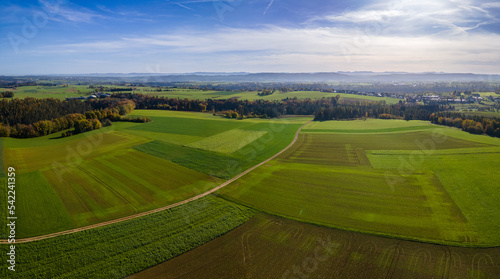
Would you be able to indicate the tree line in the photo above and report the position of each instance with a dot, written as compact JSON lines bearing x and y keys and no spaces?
{"x":79,"y":122}
{"x":473,"y":124}
{"x":6,"y":94}
{"x":242,"y":107}
{"x":38,"y":117}
{"x":376,"y":110}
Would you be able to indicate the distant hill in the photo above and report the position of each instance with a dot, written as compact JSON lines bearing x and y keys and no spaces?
{"x":323,"y":77}
{"x":362,"y":76}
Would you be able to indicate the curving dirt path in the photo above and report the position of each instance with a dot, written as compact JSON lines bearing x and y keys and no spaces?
{"x":35,"y":238}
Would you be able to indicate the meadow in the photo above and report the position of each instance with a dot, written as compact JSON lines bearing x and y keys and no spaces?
{"x":277,"y":96}
{"x":273,"y":247}
{"x":129,"y":168}
{"x":61,"y":92}
{"x":384,"y":177}
{"x":122,"y":249}
{"x":56,"y":92}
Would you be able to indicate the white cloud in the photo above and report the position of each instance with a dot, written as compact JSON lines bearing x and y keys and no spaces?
{"x":304,"y":49}
{"x":423,"y":17}
{"x":490,"y":5}
{"x":78,"y":14}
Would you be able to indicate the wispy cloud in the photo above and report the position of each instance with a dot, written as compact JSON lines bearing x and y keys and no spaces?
{"x":185,"y":7}
{"x":306,"y":48}
{"x":491,"y":5}
{"x":423,"y":17}
{"x":268,"y":6}
{"x":78,"y":14}
{"x":424,"y":35}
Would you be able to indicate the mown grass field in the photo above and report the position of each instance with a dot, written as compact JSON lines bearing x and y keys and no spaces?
{"x":228,"y":142}
{"x":130,"y":168}
{"x":394,"y":183}
{"x":272,"y":247}
{"x":125,"y":248}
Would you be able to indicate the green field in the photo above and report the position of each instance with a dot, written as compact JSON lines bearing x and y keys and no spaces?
{"x":128,"y":247}
{"x":367,"y":126}
{"x":391,"y":183}
{"x":129,"y":168}
{"x":66,"y":151}
{"x":61,"y":92}
{"x":403,"y":180}
{"x":277,"y":96}
{"x":228,"y":142}
{"x":56,"y":92}
{"x":272,"y":247}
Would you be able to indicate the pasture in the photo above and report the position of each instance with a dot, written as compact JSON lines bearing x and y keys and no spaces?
{"x":360,"y":181}
{"x":272,"y":247}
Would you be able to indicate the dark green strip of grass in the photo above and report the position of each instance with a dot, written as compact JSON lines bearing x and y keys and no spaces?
{"x":125,"y":248}
{"x":203,"y":161}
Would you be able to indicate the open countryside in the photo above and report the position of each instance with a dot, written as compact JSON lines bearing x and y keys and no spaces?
{"x":95,"y":178}
{"x":263,"y":139}
{"x":336,"y":175}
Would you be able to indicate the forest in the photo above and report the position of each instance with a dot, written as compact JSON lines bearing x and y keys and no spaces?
{"x":28,"y":118}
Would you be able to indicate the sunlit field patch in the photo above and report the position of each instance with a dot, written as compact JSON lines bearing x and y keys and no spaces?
{"x":228,"y":142}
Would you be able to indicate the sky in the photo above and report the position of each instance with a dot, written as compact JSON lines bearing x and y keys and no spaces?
{"x":184,"y":36}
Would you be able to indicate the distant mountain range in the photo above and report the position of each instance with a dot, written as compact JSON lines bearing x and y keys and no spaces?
{"x":362,"y":76}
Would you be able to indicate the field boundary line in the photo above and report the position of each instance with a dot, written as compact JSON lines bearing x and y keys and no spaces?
{"x":130,"y":217}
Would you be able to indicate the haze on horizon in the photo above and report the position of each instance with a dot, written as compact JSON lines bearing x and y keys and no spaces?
{"x":76,"y":37}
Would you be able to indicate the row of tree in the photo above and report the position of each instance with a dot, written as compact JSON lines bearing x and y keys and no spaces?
{"x":242,"y":107}
{"x":80,"y":122}
{"x":266,"y":92}
{"x":30,"y":110}
{"x":6,"y":94}
{"x":376,"y":110}
{"x":472,"y":124}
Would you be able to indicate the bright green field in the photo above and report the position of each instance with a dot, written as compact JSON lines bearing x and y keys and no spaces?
{"x":391,"y":184}
{"x":129,"y":168}
{"x":227,"y":142}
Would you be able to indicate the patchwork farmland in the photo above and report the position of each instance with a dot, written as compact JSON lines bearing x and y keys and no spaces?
{"x":378,"y":194}
{"x":95,"y":177}
{"x":388,"y":178}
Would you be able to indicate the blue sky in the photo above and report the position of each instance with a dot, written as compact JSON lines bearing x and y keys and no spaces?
{"x":71,"y":37}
